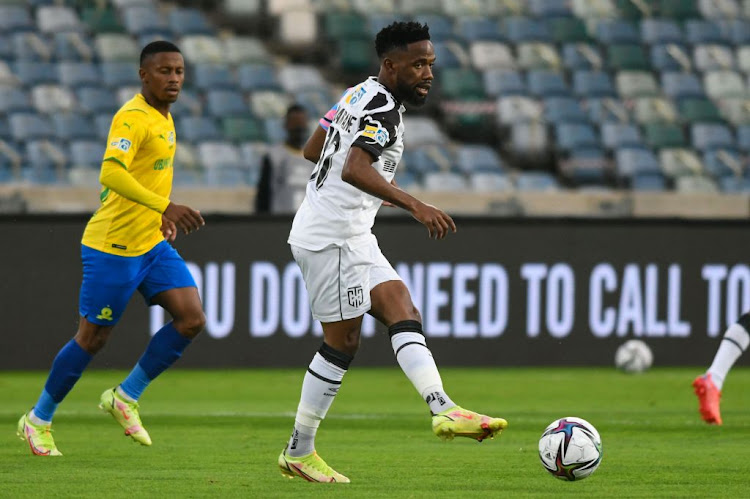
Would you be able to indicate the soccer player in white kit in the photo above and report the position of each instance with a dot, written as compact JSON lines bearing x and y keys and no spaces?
{"x":344,"y":270}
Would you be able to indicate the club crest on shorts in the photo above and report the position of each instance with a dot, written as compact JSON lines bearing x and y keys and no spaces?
{"x":356,"y":296}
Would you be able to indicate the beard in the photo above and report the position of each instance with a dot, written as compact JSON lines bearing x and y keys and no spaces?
{"x":409,"y":94}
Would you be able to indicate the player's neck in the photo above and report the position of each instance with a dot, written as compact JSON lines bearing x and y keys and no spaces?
{"x":161,"y":107}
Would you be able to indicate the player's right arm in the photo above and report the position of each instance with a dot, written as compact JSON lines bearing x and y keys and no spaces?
{"x":125,"y":138}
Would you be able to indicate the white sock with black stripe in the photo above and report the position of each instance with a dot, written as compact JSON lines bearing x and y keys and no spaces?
{"x":319,"y":388}
{"x":734,"y":344}
{"x":416,"y":361}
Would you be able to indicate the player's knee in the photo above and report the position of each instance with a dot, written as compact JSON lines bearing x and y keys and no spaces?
{"x":192,"y":325}
{"x":335,"y":356}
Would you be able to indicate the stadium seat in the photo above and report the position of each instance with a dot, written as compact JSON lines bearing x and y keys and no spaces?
{"x":670,"y":57}
{"x":455,"y":8}
{"x":723,"y":163}
{"x":734,"y":185}
{"x":563,"y":109}
{"x":273,"y":128}
{"x":592,"y":84}
{"x":243,"y":49}
{"x":620,"y":135}
{"x":15,"y":18}
{"x":204,"y":49}
{"x":564,"y":30}
{"x":300,"y":77}
{"x":55,"y":19}
{"x":718,"y":9}
{"x":664,"y":135}
{"x":634,"y":10}
{"x":441,"y":26}
{"x":520,"y":29}
{"x":101,"y":19}
{"x":28,"y":126}
{"x":73,"y":47}
{"x":52,"y":98}
{"x":706,"y":137}
{"x":678,"y":9}
{"x":581,"y":56}
{"x":79,"y":74}
{"x":491,"y":55}
{"x":633,"y":84}
{"x":45,"y":155}
{"x":529,"y":138}
{"x":31,"y":46}
{"x":575,"y":136}
{"x":606,"y":110}
{"x":517,"y":109}
{"x":478,"y":158}
{"x":451,"y":54}
{"x":269,"y":104}
{"x":316,"y":102}
{"x":543,"y":83}
{"x":140,"y":21}
{"x":724,"y":84}
{"x":118,"y":74}
{"x":630,"y":161}
{"x":702,"y":32}
{"x":585,"y":167}
{"x":221,"y":103}
{"x":679,"y":162}
{"x":743,"y":138}
{"x":257,"y":76}
{"x":117,"y":47}
{"x":377,"y":21}
{"x":713,"y":57}
{"x":536,"y":181}
{"x":546,"y":9}
{"x":699,"y":110}
{"x":536,"y":55}
{"x":355,"y":56}
{"x":503,"y":82}
{"x":187,"y":21}
{"x":14,"y":100}
{"x":488,"y":182}
{"x":648,"y":182}
{"x":195,"y":128}
{"x":695,"y":185}
{"x":416,"y":7}
{"x":654,"y":109}
{"x":212,"y":76}
{"x":35,"y":73}
{"x":627,"y":57}
{"x":474,"y":29}
{"x":342,"y":26}
{"x":218,"y":154}
{"x":73,"y":126}
{"x":94,"y":100}
{"x":661,"y":31}
{"x":735,"y":110}
{"x":681,"y":85}
{"x":455,"y":83}
{"x":444,"y":182}
{"x":423,"y":131}
{"x":738,"y":30}
{"x":242,"y":129}
{"x":86,"y":153}
{"x":612,"y":31}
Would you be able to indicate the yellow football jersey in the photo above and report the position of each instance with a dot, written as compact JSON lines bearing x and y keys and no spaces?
{"x":143,"y":142}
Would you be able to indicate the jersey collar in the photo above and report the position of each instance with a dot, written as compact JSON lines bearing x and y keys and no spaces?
{"x":374,"y":79}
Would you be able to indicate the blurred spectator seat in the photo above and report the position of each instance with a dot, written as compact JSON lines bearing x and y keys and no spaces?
{"x":52,"y":98}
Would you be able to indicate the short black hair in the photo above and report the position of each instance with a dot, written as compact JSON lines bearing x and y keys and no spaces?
{"x":156,"y":47}
{"x":295,"y":108}
{"x":400,"y":34}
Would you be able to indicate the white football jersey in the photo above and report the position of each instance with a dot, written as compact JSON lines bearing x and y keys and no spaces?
{"x":334,"y":212}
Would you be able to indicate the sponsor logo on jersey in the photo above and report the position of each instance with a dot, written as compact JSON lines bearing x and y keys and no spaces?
{"x":356,"y":95}
{"x":355,"y":296}
{"x":162,"y":164}
{"x":170,"y":138}
{"x":376,"y":133}
{"x":121,"y":144}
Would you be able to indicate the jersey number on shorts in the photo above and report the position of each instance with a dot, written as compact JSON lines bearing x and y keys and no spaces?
{"x":331,"y":147}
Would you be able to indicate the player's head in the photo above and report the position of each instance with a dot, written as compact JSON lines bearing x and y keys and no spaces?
{"x":162,"y":72}
{"x":296,"y":126}
{"x":406,"y":58}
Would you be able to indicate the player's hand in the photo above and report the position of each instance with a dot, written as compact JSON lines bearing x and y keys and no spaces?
{"x":168,"y":229}
{"x":438,"y":222}
{"x":184,"y":217}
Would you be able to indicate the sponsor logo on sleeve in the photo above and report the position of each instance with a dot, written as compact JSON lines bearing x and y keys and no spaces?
{"x":121,"y":144}
{"x":376,"y":133}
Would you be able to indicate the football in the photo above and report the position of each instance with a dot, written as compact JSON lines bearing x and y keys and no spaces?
{"x":633,"y":356}
{"x":570,"y":448}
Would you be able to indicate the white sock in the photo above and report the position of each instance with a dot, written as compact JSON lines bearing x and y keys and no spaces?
{"x":319,"y":388}
{"x":37,"y":420}
{"x":734,"y":343}
{"x":417,"y":363}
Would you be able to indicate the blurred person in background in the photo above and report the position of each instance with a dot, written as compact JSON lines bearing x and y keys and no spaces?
{"x":708,"y":386}
{"x":125,"y":247}
{"x":345,"y":272}
{"x":284,"y":170}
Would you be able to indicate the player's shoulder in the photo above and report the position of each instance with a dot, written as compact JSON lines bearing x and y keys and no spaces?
{"x":371,"y":97}
{"x":135,"y":109}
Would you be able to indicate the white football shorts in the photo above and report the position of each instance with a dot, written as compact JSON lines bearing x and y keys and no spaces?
{"x":339,"y":279}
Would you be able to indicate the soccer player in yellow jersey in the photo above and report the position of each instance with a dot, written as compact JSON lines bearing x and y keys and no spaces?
{"x":125,"y":247}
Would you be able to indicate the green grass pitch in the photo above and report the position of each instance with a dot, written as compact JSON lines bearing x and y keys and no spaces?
{"x":218,"y":433}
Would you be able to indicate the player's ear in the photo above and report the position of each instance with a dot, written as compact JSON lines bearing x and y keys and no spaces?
{"x":389,"y":65}
{"x":142,"y":74}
